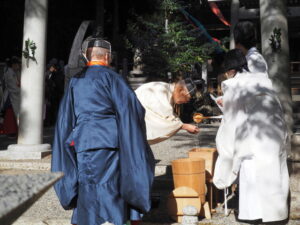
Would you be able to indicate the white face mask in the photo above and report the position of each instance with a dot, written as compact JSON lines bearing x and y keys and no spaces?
{"x":191,"y":85}
{"x":84,"y":48}
{"x":99,"y":43}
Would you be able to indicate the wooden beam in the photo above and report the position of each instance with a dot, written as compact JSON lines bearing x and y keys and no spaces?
{"x":254,"y":13}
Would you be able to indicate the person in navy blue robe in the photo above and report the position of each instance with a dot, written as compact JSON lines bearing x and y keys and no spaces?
{"x":100,"y":145}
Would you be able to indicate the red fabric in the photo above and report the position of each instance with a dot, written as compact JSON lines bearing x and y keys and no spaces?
{"x":72,"y":143}
{"x":216,"y":40}
{"x":135,"y":222}
{"x":215,"y":9}
{"x":10,"y":123}
{"x":1,"y":128}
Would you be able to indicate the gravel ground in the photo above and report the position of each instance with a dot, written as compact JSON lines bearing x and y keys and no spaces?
{"x":179,"y":145}
{"x":47,"y":210}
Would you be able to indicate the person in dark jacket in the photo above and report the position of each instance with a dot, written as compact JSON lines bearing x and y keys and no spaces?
{"x":100,"y":145}
{"x":54,"y":82}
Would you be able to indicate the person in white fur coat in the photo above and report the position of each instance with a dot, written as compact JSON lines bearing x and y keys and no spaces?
{"x":251,"y":143}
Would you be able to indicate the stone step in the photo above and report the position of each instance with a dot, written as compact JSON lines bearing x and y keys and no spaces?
{"x":25,"y":165}
{"x":18,"y":193}
{"x":162,"y":184}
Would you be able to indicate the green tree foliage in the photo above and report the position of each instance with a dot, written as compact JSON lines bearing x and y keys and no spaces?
{"x":167,"y":41}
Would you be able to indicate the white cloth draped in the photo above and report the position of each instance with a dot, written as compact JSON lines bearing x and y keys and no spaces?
{"x":161,"y":121}
{"x":256,"y":62}
{"x":251,"y":141}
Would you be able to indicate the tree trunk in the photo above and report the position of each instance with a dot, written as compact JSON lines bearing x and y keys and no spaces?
{"x":273,"y":15}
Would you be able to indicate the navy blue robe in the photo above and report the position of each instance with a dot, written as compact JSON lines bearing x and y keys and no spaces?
{"x":109,"y":168}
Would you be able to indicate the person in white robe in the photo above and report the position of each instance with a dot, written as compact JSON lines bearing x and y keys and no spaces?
{"x":158,"y":99}
{"x":245,"y":40}
{"x":251,"y":142}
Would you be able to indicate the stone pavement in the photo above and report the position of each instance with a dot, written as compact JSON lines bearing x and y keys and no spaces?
{"x":47,"y":211}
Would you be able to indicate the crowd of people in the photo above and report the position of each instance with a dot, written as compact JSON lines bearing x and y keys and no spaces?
{"x":104,"y":129}
{"x":10,"y":98}
{"x":10,"y":94}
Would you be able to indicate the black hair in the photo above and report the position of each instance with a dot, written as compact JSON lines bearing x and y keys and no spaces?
{"x":235,"y":59}
{"x":15,"y":60}
{"x":245,"y":34}
{"x":10,"y":61}
{"x":54,"y":63}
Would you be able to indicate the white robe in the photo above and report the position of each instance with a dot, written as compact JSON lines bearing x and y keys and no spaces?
{"x":251,"y":141}
{"x":161,"y":121}
{"x":256,"y":62}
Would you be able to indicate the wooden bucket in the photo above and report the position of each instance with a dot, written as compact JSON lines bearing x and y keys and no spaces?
{"x":180,"y":198}
{"x":210,"y":155}
{"x":190,"y":172}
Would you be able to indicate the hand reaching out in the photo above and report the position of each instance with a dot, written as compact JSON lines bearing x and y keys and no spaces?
{"x":220,"y":101}
{"x":190,"y":128}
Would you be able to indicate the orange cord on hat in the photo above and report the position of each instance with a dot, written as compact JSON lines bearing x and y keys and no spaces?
{"x":96,"y":63}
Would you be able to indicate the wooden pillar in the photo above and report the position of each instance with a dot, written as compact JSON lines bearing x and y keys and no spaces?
{"x":234,"y":18}
{"x":30,"y":137}
{"x":273,"y":16}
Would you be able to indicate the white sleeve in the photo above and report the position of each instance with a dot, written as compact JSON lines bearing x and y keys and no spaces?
{"x":161,"y":121}
{"x":227,"y":165}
